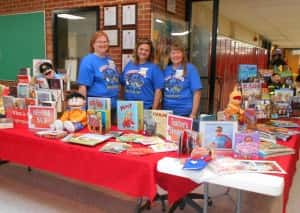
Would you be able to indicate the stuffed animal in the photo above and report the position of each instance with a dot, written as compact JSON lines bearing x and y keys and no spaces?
{"x":233,"y":110}
{"x":75,"y":117}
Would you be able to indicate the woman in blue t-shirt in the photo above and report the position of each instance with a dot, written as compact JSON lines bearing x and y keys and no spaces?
{"x":142,"y":80}
{"x":183,"y":85}
{"x":98,"y":74}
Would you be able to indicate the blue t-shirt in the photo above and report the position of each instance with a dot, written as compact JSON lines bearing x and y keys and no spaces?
{"x":100,"y":76}
{"x":141,"y":81}
{"x":179,"y":89}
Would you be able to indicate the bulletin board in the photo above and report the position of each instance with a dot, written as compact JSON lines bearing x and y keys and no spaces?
{"x":22,"y":39}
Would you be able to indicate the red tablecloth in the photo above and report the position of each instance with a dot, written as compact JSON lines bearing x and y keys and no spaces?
{"x":178,"y":187}
{"x":132,"y":175}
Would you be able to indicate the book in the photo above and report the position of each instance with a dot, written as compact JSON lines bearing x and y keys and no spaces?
{"x":41,"y":83}
{"x":36,"y":65}
{"x":41,"y":117}
{"x":130,"y":115}
{"x":98,"y":103}
{"x":16,"y":109}
{"x":139,"y":151}
{"x":261,"y":166}
{"x":283,"y":95}
{"x":251,"y":90}
{"x":23,"y":90}
{"x":87,"y":139}
{"x":176,"y":125}
{"x":284,"y":123}
{"x":106,"y":119}
{"x":225,"y":165}
{"x":164,"y":147}
{"x":55,"y":83}
{"x":43,"y":95}
{"x":247,"y":72}
{"x":269,"y":149}
{"x":115,"y":147}
{"x":24,"y":75}
{"x":6,"y":123}
{"x":138,"y":138}
{"x":246,"y":144}
{"x":51,"y":134}
{"x":94,"y":121}
{"x":115,"y":134}
{"x":160,"y":119}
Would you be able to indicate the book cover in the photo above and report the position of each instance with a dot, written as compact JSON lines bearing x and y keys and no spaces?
{"x":106,"y":119}
{"x":94,"y":121}
{"x":41,"y":117}
{"x":247,"y":145}
{"x":87,"y":139}
{"x":43,"y":95}
{"x":42,"y":83}
{"x":251,"y":90}
{"x":246,"y":72}
{"x":160,"y":119}
{"x":36,"y":65}
{"x":51,"y":134}
{"x":176,"y":125}
{"x":262,"y":166}
{"x":23,"y":90}
{"x":226,"y":165}
{"x":269,"y":149}
{"x":115,"y":147}
{"x":16,"y":109}
{"x":283,"y":95}
{"x":55,"y":83}
{"x":98,"y":103}
{"x":6,"y":123}
{"x":130,"y":115}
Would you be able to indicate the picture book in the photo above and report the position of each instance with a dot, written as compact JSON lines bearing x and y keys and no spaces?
{"x":246,"y":72}
{"x":130,"y":115}
{"x":247,"y":145}
{"x":24,"y":75}
{"x":269,"y":149}
{"x":98,"y":103}
{"x":43,"y":95}
{"x":250,"y":118}
{"x":189,"y":139}
{"x":160,"y":119}
{"x":225,"y":165}
{"x":41,"y":117}
{"x":176,"y":125}
{"x":55,"y":83}
{"x":139,"y":151}
{"x":106,"y":119}
{"x":94,"y":121}
{"x":36,"y":65}
{"x":6,"y":123}
{"x":87,"y":139}
{"x":115,"y":147}
{"x":51,"y":134}
{"x":251,"y":90}
{"x":23,"y":90}
{"x":115,"y":134}
{"x":164,"y":147}
{"x":262,"y":166}
{"x":16,"y":109}
{"x":218,"y":134}
{"x":283,"y":95}
{"x":42,"y":83}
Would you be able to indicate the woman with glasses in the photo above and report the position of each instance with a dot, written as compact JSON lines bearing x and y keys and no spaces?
{"x":98,"y":74}
{"x":142,"y":80}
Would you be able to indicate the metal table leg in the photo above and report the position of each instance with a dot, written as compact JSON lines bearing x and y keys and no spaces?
{"x":205,"y":206}
{"x":238,"y":201}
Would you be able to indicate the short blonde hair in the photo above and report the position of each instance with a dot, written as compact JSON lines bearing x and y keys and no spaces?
{"x":94,"y":38}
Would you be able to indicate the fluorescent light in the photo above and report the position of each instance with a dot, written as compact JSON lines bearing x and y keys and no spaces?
{"x":180,"y":34}
{"x":159,"y":21}
{"x":69,"y":16}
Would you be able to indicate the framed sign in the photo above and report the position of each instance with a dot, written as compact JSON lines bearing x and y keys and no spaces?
{"x":171,"y":6}
{"x":128,"y":14}
{"x":128,"y":38}
{"x":110,"y":16}
{"x":113,"y":36}
{"x":126,"y":57}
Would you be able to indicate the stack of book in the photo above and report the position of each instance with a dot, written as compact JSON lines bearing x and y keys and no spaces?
{"x":269,"y":149}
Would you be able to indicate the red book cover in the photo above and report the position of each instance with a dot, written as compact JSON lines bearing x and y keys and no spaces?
{"x":41,"y":117}
{"x":176,"y":125}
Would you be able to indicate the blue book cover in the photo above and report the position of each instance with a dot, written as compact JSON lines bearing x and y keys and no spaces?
{"x":130,"y":115}
{"x":247,"y":71}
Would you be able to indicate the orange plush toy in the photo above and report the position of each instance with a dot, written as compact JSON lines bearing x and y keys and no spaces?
{"x":233,"y":110}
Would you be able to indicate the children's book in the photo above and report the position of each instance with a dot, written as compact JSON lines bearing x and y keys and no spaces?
{"x":23,"y":90}
{"x":246,"y":72}
{"x":130,"y":115}
{"x":55,"y":83}
{"x":262,"y":166}
{"x":176,"y":125}
{"x":115,"y":147}
{"x":87,"y":139}
{"x":106,"y":119}
{"x":164,"y":147}
{"x":139,"y":151}
{"x":43,"y":95}
{"x":94,"y":121}
{"x":269,"y":149}
{"x":36,"y":65}
{"x":41,"y":117}
{"x":226,"y":165}
{"x":41,"y":83}
{"x":6,"y":123}
{"x":283,"y":95}
{"x":247,"y":145}
{"x":98,"y":103}
{"x":51,"y":134}
{"x":159,"y":117}
{"x":251,"y":90}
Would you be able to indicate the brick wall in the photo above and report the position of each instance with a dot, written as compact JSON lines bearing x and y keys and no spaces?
{"x":145,"y":7}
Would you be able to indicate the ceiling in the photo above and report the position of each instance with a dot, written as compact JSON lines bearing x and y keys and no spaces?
{"x":277,"y":20}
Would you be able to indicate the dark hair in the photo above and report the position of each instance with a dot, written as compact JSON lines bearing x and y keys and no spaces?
{"x":147,"y":41}
{"x":45,"y":66}
{"x":297,"y":78}
{"x":94,"y":38}
{"x":75,"y":95}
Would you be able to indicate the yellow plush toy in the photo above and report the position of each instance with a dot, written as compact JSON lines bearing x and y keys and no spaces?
{"x":233,"y":110}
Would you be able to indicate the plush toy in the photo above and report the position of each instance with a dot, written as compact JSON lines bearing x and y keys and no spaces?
{"x":75,"y":117}
{"x":233,"y":110}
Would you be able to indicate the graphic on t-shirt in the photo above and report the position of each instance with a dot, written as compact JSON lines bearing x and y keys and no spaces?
{"x":135,"y":80}
{"x":110,"y":75}
{"x":173,"y":87}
